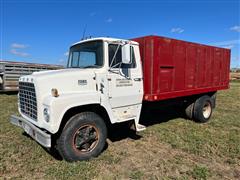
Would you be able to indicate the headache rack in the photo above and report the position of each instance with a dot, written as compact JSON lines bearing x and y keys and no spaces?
{"x":11,"y":71}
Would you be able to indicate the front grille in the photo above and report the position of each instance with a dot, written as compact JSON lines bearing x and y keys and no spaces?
{"x":27,"y":100}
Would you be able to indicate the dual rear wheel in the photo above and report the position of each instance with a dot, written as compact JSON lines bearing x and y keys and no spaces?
{"x":200,"y":110}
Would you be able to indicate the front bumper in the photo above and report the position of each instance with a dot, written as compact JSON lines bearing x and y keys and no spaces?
{"x":36,"y":133}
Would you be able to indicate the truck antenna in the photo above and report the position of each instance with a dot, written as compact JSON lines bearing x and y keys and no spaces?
{"x":84,"y":31}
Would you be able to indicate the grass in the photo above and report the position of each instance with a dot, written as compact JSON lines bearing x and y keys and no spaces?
{"x":173,"y":149}
{"x":199,"y":172}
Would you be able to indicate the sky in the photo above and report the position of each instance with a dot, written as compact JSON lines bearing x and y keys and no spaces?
{"x":41,"y":31}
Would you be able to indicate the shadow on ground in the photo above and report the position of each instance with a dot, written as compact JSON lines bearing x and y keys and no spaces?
{"x":8,"y":93}
{"x":51,"y":151}
{"x":159,"y":114}
{"x":150,"y":115}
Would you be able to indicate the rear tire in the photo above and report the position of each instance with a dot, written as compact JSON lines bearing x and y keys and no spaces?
{"x":189,"y":111}
{"x":202,"y":109}
{"x":83,"y":137}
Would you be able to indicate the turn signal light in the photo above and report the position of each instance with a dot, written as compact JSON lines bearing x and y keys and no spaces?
{"x":54,"y":92}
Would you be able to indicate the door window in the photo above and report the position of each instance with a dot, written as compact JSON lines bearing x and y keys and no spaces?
{"x":116,"y":62}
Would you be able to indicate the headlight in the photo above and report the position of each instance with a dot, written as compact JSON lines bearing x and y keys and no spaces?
{"x":46,"y":114}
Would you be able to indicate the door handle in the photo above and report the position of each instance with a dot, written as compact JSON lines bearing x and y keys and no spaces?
{"x":137,"y":79}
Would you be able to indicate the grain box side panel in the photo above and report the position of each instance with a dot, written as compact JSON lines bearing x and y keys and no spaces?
{"x":148,"y":66}
{"x":179,"y":57}
{"x":201,"y":66}
{"x":208,"y":68}
{"x":174,"y":68}
{"x":190,"y":74}
{"x":164,"y":66}
{"x":226,"y":67}
{"x":216,"y":66}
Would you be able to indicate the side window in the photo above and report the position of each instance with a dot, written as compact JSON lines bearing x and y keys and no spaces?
{"x":118,"y":58}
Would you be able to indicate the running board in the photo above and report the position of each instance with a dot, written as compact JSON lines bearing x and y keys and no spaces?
{"x":140,"y":127}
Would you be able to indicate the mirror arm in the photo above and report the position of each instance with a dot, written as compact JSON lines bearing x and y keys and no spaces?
{"x":121,"y":73}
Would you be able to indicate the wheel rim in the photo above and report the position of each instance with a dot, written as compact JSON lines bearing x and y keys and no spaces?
{"x":86,"y":138}
{"x":207,"y":110}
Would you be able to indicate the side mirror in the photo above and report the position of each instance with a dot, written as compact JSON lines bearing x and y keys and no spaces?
{"x":126,"y":54}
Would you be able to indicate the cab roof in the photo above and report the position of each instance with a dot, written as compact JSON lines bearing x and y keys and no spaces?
{"x":107,"y":39}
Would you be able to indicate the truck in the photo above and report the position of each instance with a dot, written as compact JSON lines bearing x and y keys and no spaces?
{"x":107,"y":81}
{"x":10,"y":71}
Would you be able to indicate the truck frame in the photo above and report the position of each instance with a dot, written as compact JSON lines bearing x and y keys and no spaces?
{"x":108,"y":80}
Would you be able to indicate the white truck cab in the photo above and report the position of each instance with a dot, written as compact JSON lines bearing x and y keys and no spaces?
{"x":101,"y":84}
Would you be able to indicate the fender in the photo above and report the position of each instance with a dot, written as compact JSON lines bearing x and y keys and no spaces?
{"x":58,"y":106}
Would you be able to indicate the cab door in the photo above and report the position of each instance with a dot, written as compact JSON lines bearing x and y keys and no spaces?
{"x":125,"y":80}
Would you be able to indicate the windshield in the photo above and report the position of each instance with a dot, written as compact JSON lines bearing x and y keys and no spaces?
{"x":86,"y":55}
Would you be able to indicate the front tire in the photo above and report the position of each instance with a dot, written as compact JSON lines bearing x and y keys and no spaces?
{"x":83,"y":137}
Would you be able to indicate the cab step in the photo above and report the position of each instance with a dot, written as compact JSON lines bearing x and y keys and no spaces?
{"x":140,"y":127}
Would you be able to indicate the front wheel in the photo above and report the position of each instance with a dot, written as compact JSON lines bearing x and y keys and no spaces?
{"x":83,"y":137}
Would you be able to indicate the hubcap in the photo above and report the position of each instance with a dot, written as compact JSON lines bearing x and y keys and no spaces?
{"x":207,"y":110}
{"x":86,"y":138}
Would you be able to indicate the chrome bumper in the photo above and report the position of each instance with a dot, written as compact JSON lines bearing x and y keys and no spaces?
{"x":36,"y":133}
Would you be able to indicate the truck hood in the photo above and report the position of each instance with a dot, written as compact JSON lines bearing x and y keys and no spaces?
{"x":60,"y":72}
{"x":64,"y":80}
